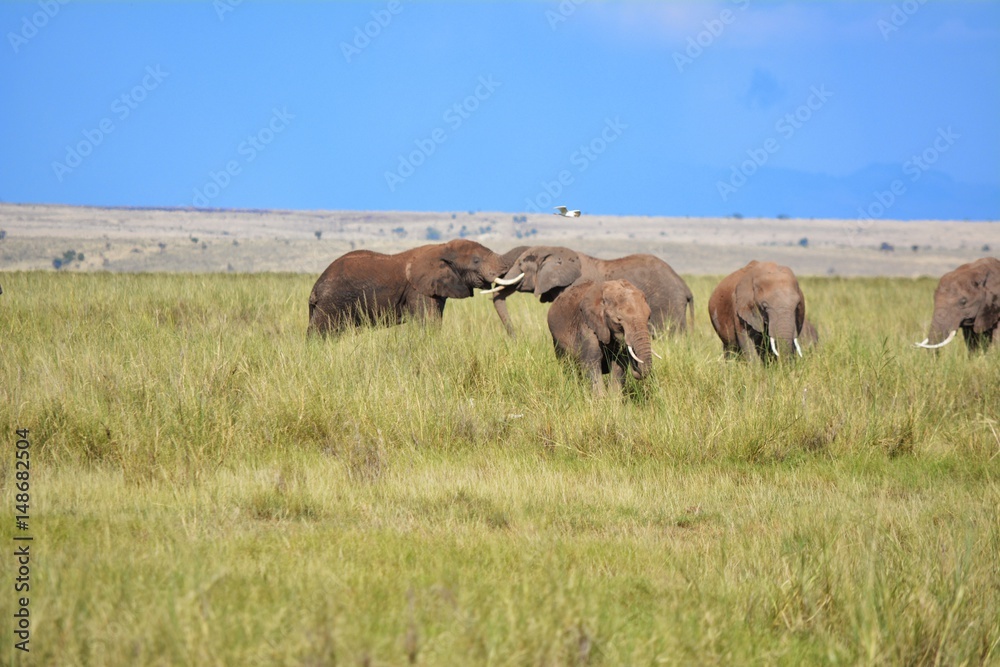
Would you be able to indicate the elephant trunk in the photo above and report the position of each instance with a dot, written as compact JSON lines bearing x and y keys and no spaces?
{"x":783,"y":334}
{"x":640,"y":350}
{"x":500,"y":305}
{"x":943,"y":328}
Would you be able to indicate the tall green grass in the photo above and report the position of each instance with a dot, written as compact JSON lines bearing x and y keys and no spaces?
{"x":210,"y":487}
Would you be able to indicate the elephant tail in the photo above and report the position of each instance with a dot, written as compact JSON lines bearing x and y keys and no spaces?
{"x":312,"y":304}
{"x":690,"y":305}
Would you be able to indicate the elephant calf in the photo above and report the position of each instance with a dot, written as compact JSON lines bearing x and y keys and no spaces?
{"x":604,"y":326}
{"x":967,"y":298}
{"x":365,"y":287}
{"x":758,"y":307}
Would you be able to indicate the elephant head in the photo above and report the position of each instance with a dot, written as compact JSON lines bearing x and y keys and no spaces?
{"x":452,"y":270}
{"x":618,"y":314}
{"x":543,"y":270}
{"x":770,"y":304}
{"x":966,"y":298}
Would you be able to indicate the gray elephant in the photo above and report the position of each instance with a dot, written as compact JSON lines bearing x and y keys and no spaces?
{"x":365,"y":287}
{"x":967,"y":298}
{"x":758,"y":308}
{"x":604,"y":327}
{"x":548,"y":270}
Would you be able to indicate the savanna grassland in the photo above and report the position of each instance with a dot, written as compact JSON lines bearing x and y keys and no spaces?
{"x":208,"y":487}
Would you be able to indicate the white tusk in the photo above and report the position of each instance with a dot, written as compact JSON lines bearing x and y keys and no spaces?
{"x":656,"y":355}
{"x":632,"y":354}
{"x":941,"y":344}
{"x":513,"y":281}
{"x":774,"y":348}
{"x":798,"y":348}
{"x":491,"y":291}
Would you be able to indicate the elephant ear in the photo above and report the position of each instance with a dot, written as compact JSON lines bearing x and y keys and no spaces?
{"x":745,"y":302}
{"x":989,"y":314}
{"x":556,"y":271}
{"x":800,"y":313}
{"x":592,"y":308}
{"x":432,"y":275}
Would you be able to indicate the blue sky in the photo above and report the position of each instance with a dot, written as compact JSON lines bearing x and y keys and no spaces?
{"x":808,"y":109}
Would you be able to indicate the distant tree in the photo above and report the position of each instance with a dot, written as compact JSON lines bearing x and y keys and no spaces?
{"x":318,"y":233}
{"x":3,"y":234}
{"x":782,"y":216}
{"x":162,"y":246}
{"x":194,"y":239}
{"x":986,"y":247}
{"x":57,"y":264}
{"x":433,"y":234}
{"x":738,"y":216}
{"x":804,"y":242}
{"x":915,"y":247}
{"x":887,"y":247}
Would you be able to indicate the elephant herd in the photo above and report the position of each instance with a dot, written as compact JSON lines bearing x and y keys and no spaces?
{"x":605,"y":312}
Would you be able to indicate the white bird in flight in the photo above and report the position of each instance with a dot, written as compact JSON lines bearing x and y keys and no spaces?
{"x":564,"y":212}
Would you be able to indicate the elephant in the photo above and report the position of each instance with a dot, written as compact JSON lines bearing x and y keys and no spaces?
{"x":604,"y":327}
{"x":548,"y":270}
{"x":366,"y":287}
{"x":756,"y":307}
{"x":967,"y":298}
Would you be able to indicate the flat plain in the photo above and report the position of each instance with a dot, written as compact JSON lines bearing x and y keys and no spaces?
{"x":250,"y":241}
{"x":210,"y":487}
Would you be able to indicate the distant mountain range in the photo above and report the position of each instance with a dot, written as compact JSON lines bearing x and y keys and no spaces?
{"x":879,"y":191}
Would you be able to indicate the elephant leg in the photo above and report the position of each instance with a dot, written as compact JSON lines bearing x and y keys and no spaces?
{"x":747,"y":345}
{"x":426,"y":309}
{"x":618,"y":373}
{"x":596,"y":379}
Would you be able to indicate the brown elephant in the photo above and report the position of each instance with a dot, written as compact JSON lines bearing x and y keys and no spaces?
{"x":604,"y":327}
{"x":967,"y":298}
{"x":365,"y":287}
{"x":757,"y":307}
{"x":548,"y":270}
